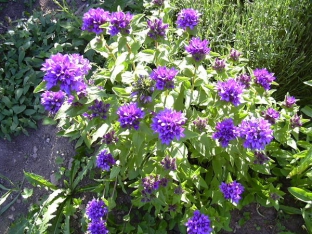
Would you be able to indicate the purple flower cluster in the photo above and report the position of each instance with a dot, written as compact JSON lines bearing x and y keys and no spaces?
{"x":110,"y":138}
{"x":158,"y":2}
{"x":295,"y":121}
{"x":105,"y":160}
{"x":271,"y":115}
{"x":260,"y":158}
{"x":264,"y":78}
{"x":232,"y":191}
{"x":67,"y":71}
{"x":98,"y":109}
{"x":257,"y":133}
{"x":52,"y":101}
{"x":157,"y":30}
{"x":198,"y":48}
{"x":290,"y":101}
{"x":96,"y":209}
{"x":163,"y":77}
{"x":230,"y":91}
{"x":219,"y":65}
{"x":244,"y":80}
{"x":188,"y":18}
{"x":168,"y":124}
{"x":226,"y":131}
{"x":200,"y":124}
{"x":169,"y":163}
{"x":130,"y":116}
{"x":120,"y":22}
{"x":143,"y":89}
{"x":234,"y":54}
{"x":93,"y":19}
{"x":198,"y":224}
{"x":150,"y":184}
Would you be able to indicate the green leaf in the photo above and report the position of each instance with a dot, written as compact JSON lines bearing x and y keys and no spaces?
{"x":21,"y":56}
{"x":19,"y":109}
{"x":49,"y":121}
{"x":304,"y":164}
{"x":37,"y":180}
{"x":5,"y":196}
{"x":121,"y":92}
{"x":27,"y":193}
{"x":307,"y":110}
{"x":7,"y":101}
{"x":18,"y":93}
{"x":114,"y":172}
{"x":307,"y":216}
{"x":301,"y":194}
{"x":41,"y":87}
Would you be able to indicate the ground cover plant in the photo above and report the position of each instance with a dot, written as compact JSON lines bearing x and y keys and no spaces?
{"x":190,"y":133}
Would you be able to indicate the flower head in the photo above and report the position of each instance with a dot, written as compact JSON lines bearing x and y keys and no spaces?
{"x":163,"y":77}
{"x":234,"y":54}
{"x":188,"y":18}
{"x":198,"y":48}
{"x":225,"y":132}
{"x":96,"y":209}
{"x":232,"y":191}
{"x":97,"y":227}
{"x":169,"y":163}
{"x":105,"y":160}
{"x":257,"y":133}
{"x":198,"y":224}
{"x":150,"y":184}
{"x":52,"y":101}
{"x":143,"y":89}
{"x":157,"y":29}
{"x":219,"y":65}
{"x":120,"y":22}
{"x":290,"y":101}
{"x":98,"y":109}
{"x":230,"y":91}
{"x":168,"y":124}
{"x":110,"y":138}
{"x":244,"y":80}
{"x":271,"y":115}
{"x":264,"y":78}
{"x":158,"y":2}
{"x":130,"y":116}
{"x":200,"y":124}
{"x":93,"y":19}
{"x":260,"y":158}
{"x":295,"y":121}
{"x":67,"y":71}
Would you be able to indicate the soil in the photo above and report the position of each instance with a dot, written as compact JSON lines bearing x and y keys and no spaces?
{"x":37,"y":152}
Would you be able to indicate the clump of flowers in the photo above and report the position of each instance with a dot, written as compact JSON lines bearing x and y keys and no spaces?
{"x":260,"y":158}
{"x":234,"y":54}
{"x":169,"y":163}
{"x":188,"y":18}
{"x":168,"y":124}
{"x":98,"y":109}
{"x":225,"y":132}
{"x":93,"y":19}
{"x":110,"y":138}
{"x":105,"y":160}
{"x":150,"y":184}
{"x":271,"y":115}
{"x":97,"y":227}
{"x":157,"y":29}
{"x":52,"y":101}
{"x":158,"y":2}
{"x":244,"y":80}
{"x":163,"y":77}
{"x":290,"y":101}
{"x":200,"y":124}
{"x":198,"y":48}
{"x":230,"y":91}
{"x":67,"y":71}
{"x":120,"y":23}
{"x":199,"y":223}
{"x":264,"y":78}
{"x":232,"y":191}
{"x":130,"y":116}
{"x":295,"y":121}
{"x":96,"y":209}
{"x":143,"y":89}
{"x":219,"y":65}
{"x":257,"y":133}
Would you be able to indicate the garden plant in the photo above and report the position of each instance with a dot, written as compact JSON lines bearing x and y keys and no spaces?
{"x":190,"y":133}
